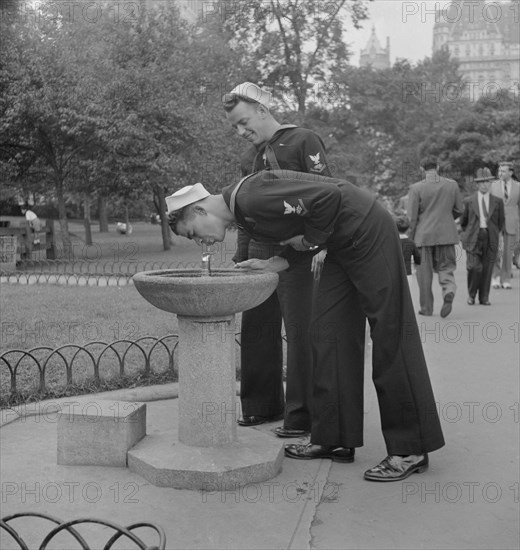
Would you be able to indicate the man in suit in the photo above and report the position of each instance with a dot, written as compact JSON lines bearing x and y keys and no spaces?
{"x":507,"y":189}
{"x":287,"y":147}
{"x":433,"y":205}
{"x":481,"y":221}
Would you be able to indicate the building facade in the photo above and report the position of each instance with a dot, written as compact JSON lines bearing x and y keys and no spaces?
{"x":484,"y":38}
{"x":374,"y":55}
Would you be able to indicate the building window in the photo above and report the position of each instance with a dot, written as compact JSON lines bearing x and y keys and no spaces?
{"x":468,"y":51}
{"x":456,"y":51}
{"x":480,"y":50}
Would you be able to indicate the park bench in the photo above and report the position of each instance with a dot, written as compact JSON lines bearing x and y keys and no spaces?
{"x":24,"y":238}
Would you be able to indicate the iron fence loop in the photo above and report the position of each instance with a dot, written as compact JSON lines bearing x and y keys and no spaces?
{"x":52,"y":519}
{"x":68,"y":526}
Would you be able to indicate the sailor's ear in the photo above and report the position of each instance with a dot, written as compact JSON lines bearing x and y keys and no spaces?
{"x":201,"y":211}
{"x":262,"y":110}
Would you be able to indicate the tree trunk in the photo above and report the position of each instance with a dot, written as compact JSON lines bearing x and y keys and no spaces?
{"x":301,"y":102}
{"x":102,"y":213}
{"x":62,"y":216}
{"x":86,"y":219}
{"x":165,"y":228}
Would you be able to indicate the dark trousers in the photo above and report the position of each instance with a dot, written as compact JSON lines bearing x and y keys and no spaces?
{"x":479,"y":265}
{"x":365,"y":278}
{"x":261,"y":388}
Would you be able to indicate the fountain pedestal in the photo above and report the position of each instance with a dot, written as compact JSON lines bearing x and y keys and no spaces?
{"x":207,"y":402}
{"x":205,"y":450}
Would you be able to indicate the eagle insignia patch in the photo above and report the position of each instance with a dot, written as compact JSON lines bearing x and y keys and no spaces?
{"x":318,"y":165}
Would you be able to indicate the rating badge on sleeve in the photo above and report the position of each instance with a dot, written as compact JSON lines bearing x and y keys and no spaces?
{"x":299,"y":209}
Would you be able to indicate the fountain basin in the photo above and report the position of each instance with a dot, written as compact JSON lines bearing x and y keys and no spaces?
{"x":192,"y":294}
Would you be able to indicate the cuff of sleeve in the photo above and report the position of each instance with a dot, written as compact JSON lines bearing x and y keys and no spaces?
{"x":240,"y":257}
{"x":315,"y":236}
{"x":294,"y":257}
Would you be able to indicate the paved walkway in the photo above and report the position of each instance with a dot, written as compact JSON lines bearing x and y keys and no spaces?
{"x":467,"y":499}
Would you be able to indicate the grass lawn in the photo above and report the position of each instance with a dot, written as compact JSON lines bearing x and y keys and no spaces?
{"x":54,"y":315}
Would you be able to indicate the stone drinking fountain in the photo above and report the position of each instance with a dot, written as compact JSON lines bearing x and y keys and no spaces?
{"x":206,"y":450}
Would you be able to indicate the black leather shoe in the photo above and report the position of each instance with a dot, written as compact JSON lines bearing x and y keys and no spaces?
{"x":257,"y":420}
{"x":447,"y":305}
{"x":282,"y":431}
{"x":420,"y":312}
{"x":485,"y":303}
{"x":310,"y":451}
{"x":471,"y":301}
{"x":396,"y":468}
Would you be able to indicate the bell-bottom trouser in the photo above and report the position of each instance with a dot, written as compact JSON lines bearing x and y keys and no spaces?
{"x":365,"y":278}
{"x":261,"y":388}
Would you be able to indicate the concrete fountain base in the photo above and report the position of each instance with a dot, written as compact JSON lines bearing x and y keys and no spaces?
{"x":206,"y":451}
{"x":165,"y":462}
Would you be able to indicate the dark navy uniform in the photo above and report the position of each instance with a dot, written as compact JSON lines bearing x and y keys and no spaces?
{"x":363,"y":278}
{"x":291,"y":148}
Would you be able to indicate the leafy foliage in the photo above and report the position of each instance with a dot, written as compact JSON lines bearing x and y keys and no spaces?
{"x":292,"y":45}
{"x":382,"y":123}
{"x":110,"y":108}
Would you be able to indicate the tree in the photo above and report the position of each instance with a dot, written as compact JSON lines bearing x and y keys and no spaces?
{"x":482,"y":136}
{"x":382,"y":120}
{"x":291,"y":44}
{"x":111,"y":108}
{"x":167,"y":124}
{"x":51,"y":116}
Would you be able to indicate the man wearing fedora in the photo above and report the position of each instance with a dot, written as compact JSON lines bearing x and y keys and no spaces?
{"x":363,"y":278}
{"x":481,"y":222}
{"x":275,"y":146}
{"x":507,"y":189}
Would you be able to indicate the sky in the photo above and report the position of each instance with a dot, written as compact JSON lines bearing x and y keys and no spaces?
{"x":409,"y":24}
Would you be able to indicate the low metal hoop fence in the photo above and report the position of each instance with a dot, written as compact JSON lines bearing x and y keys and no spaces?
{"x":84,"y":272}
{"x":38,"y":362}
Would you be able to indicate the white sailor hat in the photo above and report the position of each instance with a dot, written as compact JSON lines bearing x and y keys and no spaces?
{"x":185,"y":196}
{"x":254,"y":92}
